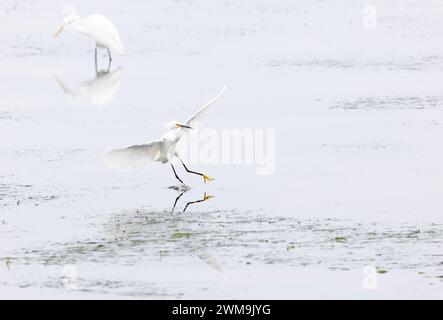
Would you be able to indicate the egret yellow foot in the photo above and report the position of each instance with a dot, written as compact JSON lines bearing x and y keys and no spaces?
{"x":206,"y":178}
{"x":207,"y":197}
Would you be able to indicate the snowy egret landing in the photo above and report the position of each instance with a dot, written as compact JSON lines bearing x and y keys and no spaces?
{"x":97,"y":27}
{"x":162,"y":150}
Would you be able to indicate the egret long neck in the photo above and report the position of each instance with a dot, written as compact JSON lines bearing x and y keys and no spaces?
{"x":80,"y":25}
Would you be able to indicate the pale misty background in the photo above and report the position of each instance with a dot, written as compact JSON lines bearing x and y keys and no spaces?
{"x":358,"y":120}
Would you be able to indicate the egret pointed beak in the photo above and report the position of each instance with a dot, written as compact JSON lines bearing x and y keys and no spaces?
{"x":58,"y":32}
{"x":183,"y":126}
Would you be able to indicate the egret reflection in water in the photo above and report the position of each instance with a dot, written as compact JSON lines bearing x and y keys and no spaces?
{"x":189,"y":203}
{"x":99,"y":91}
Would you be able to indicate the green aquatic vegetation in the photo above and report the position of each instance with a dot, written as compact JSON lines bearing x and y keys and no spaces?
{"x":341,"y":239}
{"x":372,"y":235}
{"x":151,"y":221}
{"x":163,"y":253}
{"x":181,"y":235}
{"x":7,"y":261}
{"x":98,"y":247}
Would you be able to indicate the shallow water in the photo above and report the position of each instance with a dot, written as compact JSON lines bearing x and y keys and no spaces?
{"x":358,"y":171}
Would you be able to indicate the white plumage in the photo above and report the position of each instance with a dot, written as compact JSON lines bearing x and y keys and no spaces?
{"x":96,"y":26}
{"x":163,"y":150}
{"x":104,"y":32}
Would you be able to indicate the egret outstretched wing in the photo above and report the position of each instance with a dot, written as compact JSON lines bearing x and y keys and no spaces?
{"x":199,"y":116}
{"x":133,"y":157}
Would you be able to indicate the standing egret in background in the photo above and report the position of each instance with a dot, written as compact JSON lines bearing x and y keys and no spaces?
{"x":162,"y":150}
{"x":96,"y":26}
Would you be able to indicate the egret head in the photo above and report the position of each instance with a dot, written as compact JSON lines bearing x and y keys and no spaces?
{"x":69,"y":10}
{"x":176,"y":125}
{"x":70,"y":20}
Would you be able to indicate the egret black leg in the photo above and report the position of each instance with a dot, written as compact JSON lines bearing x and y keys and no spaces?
{"x":205,"y":177}
{"x":175,"y":173}
{"x":205,"y":198}
{"x":96,"y":68}
{"x":109,"y":55}
{"x":109,"y":66}
{"x":176,"y":200}
{"x":190,"y":171}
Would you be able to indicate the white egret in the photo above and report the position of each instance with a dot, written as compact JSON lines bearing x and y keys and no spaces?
{"x":96,"y":26}
{"x":163,"y":150}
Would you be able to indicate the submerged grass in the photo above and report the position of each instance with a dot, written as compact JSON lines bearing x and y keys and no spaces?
{"x":181,"y":235}
{"x":341,"y":239}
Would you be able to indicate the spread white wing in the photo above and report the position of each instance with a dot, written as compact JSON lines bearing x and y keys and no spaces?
{"x":200,"y":115}
{"x":133,"y":157}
